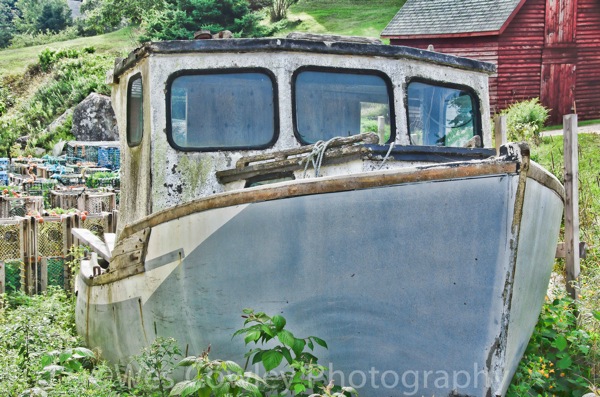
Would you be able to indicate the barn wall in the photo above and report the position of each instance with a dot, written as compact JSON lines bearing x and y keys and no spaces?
{"x":520,"y":55}
{"x":481,"y":48}
{"x":587,"y":91}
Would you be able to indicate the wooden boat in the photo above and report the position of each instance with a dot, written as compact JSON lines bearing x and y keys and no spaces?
{"x":249,"y":181}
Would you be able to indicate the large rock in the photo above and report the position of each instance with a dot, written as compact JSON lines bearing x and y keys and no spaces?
{"x":94,"y":120}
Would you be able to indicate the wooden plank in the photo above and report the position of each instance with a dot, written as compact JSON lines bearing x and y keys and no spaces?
{"x":89,"y":238}
{"x":44,"y":276}
{"x":572,"y":260}
{"x":561,"y":251}
{"x":500,"y":132}
{"x":109,"y":239}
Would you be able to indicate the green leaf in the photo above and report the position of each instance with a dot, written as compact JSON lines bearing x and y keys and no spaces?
{"x":560,"y":343}
{"x":244,"y":384}
{"x":186,"y":388}
{"x":234,"y":367}
{"x":271,"y":359}
{"x":188,"y":361}
{"x":319,"y":341}
{"x":83,"y":352}
{"x":286,"y":337}
{"x":267,"y":330}
{"x":279,"y":322}
{"x":252,"y":336}
{"x":247,"y":311}
{"x":564,"y":363}
{"x":299,"y":388}
{"x":596,"y":315}
{"x":298,"y":346}
{"x":257,"y":357}
{"x":287,"y":355}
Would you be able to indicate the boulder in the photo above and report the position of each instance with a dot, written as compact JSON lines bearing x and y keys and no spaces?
{"x":94,"y":120}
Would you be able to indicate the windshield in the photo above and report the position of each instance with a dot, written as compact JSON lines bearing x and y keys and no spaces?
{"x":339,"y":103}
{"x":228,"y":110}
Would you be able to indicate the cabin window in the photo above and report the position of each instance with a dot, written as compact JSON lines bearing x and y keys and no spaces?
{"x":135,"y":111}
{"x":441,"y":115}
{"x":222,"y":110}
{"x":330,"y":103}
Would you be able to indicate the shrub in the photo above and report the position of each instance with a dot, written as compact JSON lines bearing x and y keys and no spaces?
{"x":524,"y":120}
{"x":556,"y":361}
{"x":22,"y":40}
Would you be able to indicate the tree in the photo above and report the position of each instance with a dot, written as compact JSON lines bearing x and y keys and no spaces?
{"x":7,"y":27}
{"x":30,"y":18}
{"x":55,"y":16}
{"x":179,"y":19}
{"x":279,"y":9}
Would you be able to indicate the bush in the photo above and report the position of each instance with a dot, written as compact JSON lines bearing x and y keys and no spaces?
{"x":74,"y":75}
{"x":524,"y":120}
{"x":557,"y":359}
{"x":46,"y":37}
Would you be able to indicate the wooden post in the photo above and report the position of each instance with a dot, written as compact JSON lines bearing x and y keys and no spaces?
{"x":381,"y":129}
{"x":500,"y":132}
{"x":571,"y":204}
{"x":44,"y":275}
{"x":2,"y":278}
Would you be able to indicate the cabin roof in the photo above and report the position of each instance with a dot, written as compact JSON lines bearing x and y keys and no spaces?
{"x":446,"y":17}
{"x":296,"y":45}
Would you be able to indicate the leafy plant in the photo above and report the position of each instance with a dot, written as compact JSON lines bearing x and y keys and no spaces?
{"x":556,"y":359}
{"x":304,"y":375}
{"x":216,"y":378}
{"x":525,"y":119}
{"x":156,"y":363}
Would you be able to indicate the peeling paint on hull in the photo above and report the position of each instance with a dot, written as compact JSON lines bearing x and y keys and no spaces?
{"x":410,"y":279}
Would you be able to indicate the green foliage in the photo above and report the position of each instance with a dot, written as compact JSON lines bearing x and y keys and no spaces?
{"x":216,"y":378}
{"x":556,"y":359}
{"x":97,"y":179}
{"x":42,"y":15}
{"x":7,"y":27}
{"x":279,"y":8}
{"x":179,"y":19}
{"x":302,"y":375}
{"x":74,"y":75}
{"x":54,"y":17}
{"x":22,"y":40}
{"x":525,"y":119}
{"x":156,"y":363}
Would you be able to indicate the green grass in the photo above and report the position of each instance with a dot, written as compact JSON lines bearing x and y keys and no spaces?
{"x":580,"y":124}
{"x":344,"y":17}
{"x":15,"y":61}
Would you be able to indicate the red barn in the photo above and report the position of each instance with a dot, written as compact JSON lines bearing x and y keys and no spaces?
{"x":542,"y":48}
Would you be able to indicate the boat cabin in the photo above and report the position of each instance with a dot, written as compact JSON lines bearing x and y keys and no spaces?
{"x":207,"y":116}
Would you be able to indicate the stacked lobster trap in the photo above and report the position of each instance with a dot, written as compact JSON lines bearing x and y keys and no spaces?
{"x":35,"y":252}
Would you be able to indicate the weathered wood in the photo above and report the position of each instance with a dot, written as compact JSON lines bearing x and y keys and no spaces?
{"x":109,"y":239}
{"x":44,"y":275}
{"x":321,"y":186}
{"x":93,"y":241}
{"x":561,"y":250}
{"x":571,"y":204}
{"x":2,"y":278}
{"x":367,"y":138}
{"x":332,"y":38}
{"x":500,"y":131}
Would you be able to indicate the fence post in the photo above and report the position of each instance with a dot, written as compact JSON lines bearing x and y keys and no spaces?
{"x":2,"y":278}
{"x":500,"y":131}
{"x":44,"y":275}
{"x":571,"y":204}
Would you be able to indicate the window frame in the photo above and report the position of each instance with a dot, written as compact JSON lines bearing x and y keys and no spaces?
{"x":204,"y":72}
{"x":130,"y":82}
{"x":370,"y":72}
{"x":476,"y":100}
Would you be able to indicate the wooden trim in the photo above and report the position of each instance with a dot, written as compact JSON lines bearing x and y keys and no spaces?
{"x":325,"y":185}
{"x":512,"y":16}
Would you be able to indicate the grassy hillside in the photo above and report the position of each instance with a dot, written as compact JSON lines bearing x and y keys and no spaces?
{"x":16,"y":61}
{"x":344,"y":17}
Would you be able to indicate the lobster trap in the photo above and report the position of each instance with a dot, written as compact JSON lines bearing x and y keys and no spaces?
{"x":12,"y":270}
{"x":11,"y":207}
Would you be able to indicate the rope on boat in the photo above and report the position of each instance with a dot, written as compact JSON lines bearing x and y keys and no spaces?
{"x":315,"y":157}
{"x":392,"y":144}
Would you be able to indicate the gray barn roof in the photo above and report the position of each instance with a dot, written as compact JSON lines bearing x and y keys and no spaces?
{"x":436,"y":17}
